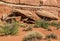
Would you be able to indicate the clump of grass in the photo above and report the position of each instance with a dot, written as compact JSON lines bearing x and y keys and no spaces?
{"x":42,"y":23}
{"x":1,"y":31}
{"x":53,"y":36}
{"x":55,"y":24}
{"x":9,"y":29}
{"x":45,"y":24}
{"x":35,"y":36}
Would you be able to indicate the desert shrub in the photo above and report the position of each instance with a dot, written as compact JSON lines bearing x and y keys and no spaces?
{"x":53,"y":24}
{"x":32,"y":36}
{"x":6,"y":29}
{"x":1,"y":30}
{"x":53,"y":36}
{"x":42,"y":23}
{"x":13,"y":28}
{"x":57,"y":25}
{"x":9,"y":29}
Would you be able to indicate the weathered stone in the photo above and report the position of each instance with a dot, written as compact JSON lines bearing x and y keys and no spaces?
{"x":11,"y":1}
{"x":58,"y":3}
{"x":47,"y":14}
{"x":50,"y":2}
{"x":53,"y":10}
{"x":4,"y":10}
{"x":30,"y":2}
{"x":28,"y":14}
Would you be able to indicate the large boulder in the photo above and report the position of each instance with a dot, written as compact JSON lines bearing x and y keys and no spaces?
{"x":28,"y":14}
{"x":53,"y":10}
{"x":45,"y":13}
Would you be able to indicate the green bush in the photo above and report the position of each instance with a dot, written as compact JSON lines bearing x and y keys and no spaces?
{"x":32,"y":36}
{"x":55,"y":24}
{"x":42,"y":23}
{"x":1,"y":30}
{"x":6,"y":30}
{"x":9,"y":29}
{"x":53,"y":36}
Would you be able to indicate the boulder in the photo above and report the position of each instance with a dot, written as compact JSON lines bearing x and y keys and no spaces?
{"x":47,"y":14}
{"x":28,"y":14}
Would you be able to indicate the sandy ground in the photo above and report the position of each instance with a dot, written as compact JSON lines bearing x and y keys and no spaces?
{"x":22,"y":33}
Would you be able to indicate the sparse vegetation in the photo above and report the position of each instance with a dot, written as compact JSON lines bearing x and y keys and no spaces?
{"x":27,"y":12}
{"x":42,"y":23}
{"x":53,"y":36}
{"x":55,"y":24}
{"x":45,"y":24}
{"x":33,"y":36}
{"x":9,"y":29}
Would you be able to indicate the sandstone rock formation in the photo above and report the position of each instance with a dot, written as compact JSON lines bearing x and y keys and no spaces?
{"x":31,"y":8}
{"x":4,"y":10}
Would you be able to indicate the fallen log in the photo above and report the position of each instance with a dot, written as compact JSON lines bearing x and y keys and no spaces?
{"x":47,"y":14}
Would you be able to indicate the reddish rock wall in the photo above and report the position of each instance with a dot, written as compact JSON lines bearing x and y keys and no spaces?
{"x":30,"y":2}
{"x":4,"y":10}
{"x":50,"y":2}
{"x":58,"y":3}
{"x":34,"y":2}
{"x":11,"y":1}
{"x":38,"y":2}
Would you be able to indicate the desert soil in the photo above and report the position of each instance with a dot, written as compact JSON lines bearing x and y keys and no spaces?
{"x":21,"y":34}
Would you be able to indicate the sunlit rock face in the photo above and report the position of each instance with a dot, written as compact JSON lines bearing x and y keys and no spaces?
{"x":29,"y":2}
{"x":11,"y":1}
{"x":49,"y":5}
{"x":59,"y":7}
{"x":58,"y":3}
{"x":50,"y":9}
{"x":4,"y":10}
{"x":50,"y":2}
{"x":33,"y":2}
